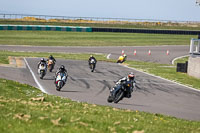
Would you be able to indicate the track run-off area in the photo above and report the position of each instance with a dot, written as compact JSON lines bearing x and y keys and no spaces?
{"x":152,"y":94}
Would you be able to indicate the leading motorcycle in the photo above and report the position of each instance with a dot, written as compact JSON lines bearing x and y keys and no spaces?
{"x":61,"y":79}
{"x":119,"y":91}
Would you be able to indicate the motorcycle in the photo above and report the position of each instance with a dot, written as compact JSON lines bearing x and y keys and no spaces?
{"x":50,"y":64}
{"x":92,"y":65}
{"x":119,"y":91}
{"x":121,"y":59}
{"x":60,"y":80}
{"x":42,"y":70}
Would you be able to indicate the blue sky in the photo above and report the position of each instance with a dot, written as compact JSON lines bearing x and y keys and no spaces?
{"x":181,"y":10}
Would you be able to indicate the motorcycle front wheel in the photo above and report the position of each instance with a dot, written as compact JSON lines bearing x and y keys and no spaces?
{"x":59,"y":86}
{"x":119,"y":96}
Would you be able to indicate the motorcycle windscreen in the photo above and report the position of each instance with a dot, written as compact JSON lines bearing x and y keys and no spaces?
{"x":61,"y":76}
{"x":58,"y":77}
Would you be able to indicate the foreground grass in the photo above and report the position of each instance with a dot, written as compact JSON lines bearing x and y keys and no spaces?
{"x":26,"y":109}
{"x":60,"y":38}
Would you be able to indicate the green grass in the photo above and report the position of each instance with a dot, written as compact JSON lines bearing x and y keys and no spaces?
{"x":141,"y":25}
{"x":81,"y":56}
{"x":26,"y":109}
{"x":181,"y":60}
{"x":60,"y":38}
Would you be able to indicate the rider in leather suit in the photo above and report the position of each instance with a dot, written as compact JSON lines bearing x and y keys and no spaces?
{"x":89,"y":60}
{"x":129,"y":80}
{"x":42,"y":61}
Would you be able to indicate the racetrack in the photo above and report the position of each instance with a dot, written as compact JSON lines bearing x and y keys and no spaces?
{"x":153,"y":94}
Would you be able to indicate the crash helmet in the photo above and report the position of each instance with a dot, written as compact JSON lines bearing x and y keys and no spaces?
{"x":131,"y":76}
{"x":50,"y":56}
{"x":42,"y":59}
{"x":62,"y":67}
{"x":124,"y":55}
{"x":91,"y":55}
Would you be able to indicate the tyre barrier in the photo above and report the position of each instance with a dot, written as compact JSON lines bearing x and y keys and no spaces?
{"x":90,"y":29}
{"x":182,"y":67}
{"x":45,"y":28}
{"x":180,"y":32}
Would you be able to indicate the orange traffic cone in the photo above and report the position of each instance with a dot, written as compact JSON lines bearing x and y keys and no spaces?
{"x":167,"y":52}
{"x":149,"y":52}
{"x":122,"y":52}
{"x":135,"y":52}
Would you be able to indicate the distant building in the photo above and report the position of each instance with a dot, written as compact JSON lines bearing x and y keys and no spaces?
{"x":197,"y":2}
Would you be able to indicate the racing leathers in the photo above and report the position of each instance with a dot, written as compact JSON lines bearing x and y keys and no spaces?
{"x":51,"y":58}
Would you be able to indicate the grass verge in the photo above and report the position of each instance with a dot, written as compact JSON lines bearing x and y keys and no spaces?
{"x":59,"y":38}
{"x":4,"y":56}
{"x":26,"y":109}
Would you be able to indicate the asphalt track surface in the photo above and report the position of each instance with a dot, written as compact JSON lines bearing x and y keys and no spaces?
{"x":153,"y":94}
{"x":158,"y":53}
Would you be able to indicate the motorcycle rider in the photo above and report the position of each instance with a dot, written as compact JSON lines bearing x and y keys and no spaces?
{"x":60,"y":70}
{"x":89,"y":60}
{"x":42,"y":61}
{"x":51,"y":58}
{"x":130,"y":79}
{"x":122,"y":58}
{"x":125,"y":56}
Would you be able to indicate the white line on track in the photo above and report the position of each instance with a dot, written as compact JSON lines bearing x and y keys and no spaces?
{"x":34,"y":77}
{"x":162,"y":78}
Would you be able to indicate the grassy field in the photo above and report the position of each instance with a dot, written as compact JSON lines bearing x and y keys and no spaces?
{"x":26,"y":109}
{"x":60,"y":38}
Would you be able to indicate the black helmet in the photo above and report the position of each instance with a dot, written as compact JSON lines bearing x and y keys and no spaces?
{"x":62,"y":67}
{"x":131,"y":76}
